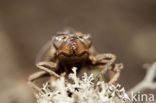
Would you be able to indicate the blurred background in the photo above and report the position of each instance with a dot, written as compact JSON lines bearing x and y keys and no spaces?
{"x":125,"y":28}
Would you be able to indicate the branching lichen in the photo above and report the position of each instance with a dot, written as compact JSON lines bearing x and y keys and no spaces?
{"x":81,"y":91}
{"x":147,"y":82}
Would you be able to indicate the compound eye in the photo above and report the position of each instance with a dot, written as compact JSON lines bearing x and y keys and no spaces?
{"x":86,"y":39}
{"x":57,"y":41}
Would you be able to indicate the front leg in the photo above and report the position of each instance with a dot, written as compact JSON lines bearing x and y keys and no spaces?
{"x":46,"y":68}
{"x":49,"y":67}
{"x":33,"y":77}
{"x":106,"y":60}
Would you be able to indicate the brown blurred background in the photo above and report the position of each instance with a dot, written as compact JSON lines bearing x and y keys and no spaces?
{"x":125,"y":28}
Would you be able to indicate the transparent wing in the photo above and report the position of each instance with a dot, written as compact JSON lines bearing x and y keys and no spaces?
{"x":43,"y":51}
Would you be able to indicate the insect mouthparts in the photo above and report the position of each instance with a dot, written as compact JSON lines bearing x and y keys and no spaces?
{"x":73,"y":47}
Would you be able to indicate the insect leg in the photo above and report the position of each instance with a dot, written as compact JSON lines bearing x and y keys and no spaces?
{"x":116,"y":70}
{"x":107,"y":59}
{"x":49,"y":67}
{"x":46,"y":68}
{"x":33,"y":77}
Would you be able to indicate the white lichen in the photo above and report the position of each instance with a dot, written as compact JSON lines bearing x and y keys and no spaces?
{"x":148,"y":81}
{"x":81,"y":91}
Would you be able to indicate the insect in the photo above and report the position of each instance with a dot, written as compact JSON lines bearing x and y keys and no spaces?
{"x":74,"y":49}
